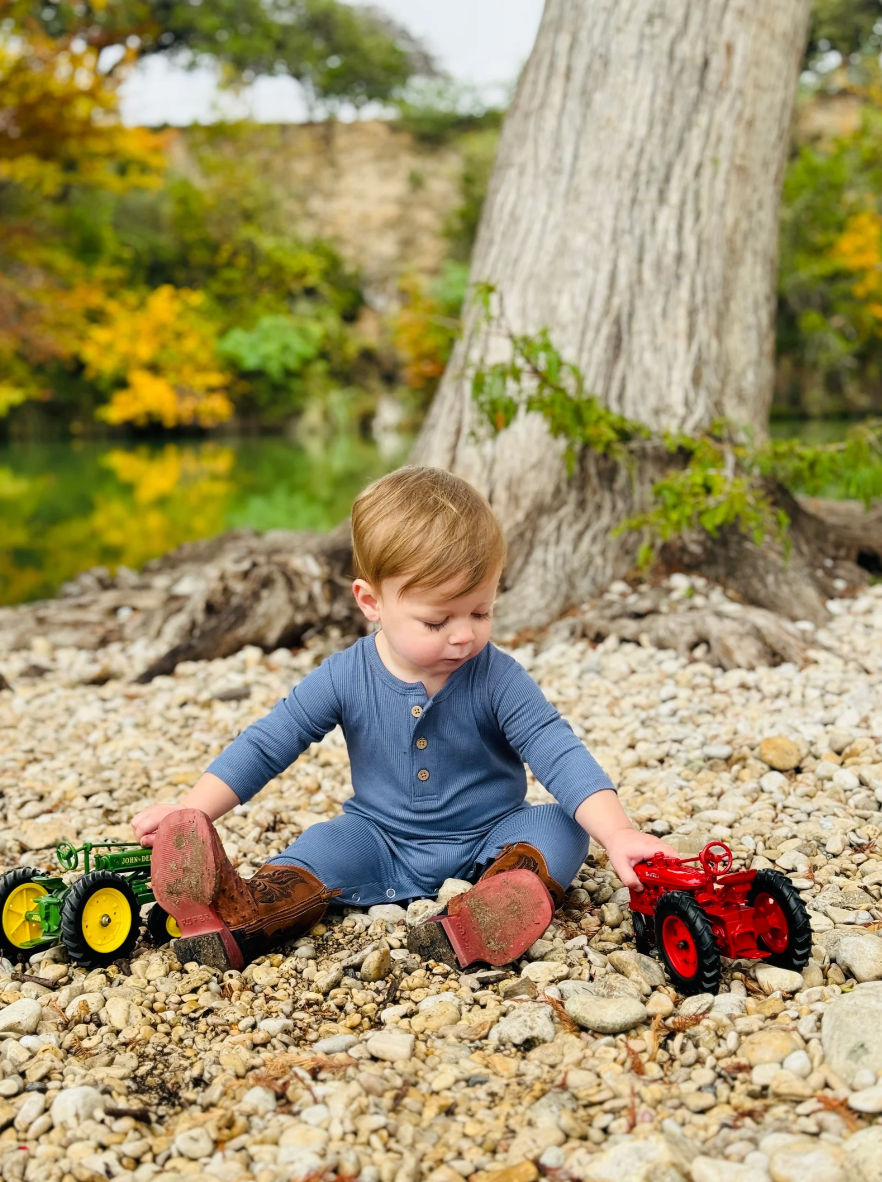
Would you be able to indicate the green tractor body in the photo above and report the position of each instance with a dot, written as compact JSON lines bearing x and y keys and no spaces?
{"x":96,"y":917}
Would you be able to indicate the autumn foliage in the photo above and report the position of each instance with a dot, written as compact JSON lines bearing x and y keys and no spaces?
{"x":132,"y":293}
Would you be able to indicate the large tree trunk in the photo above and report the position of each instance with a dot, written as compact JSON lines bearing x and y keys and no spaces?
{"x":633,"y":211}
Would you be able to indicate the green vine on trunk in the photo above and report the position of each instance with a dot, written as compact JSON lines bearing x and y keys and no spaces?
{"x":718,"y":477}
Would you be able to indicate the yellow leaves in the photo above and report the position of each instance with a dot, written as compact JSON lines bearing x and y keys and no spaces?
{"x":60,"y":130}
{"x":421,"y":335}
{"x":177,"y":494}
{"x":10,"y":396}
{"x":155,"y":475}
{"x":164,"y":348}
{"x":61,"y":121}
{"x":859,"y":250}
{"x":859,"y":247}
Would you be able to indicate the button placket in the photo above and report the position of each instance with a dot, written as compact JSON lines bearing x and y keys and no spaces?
{"x":423,"y":788}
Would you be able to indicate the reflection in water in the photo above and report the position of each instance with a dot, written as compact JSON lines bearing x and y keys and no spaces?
{"x":64,"y":508}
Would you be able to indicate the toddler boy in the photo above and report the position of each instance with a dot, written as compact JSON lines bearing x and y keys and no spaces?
{"x":438,"y":723}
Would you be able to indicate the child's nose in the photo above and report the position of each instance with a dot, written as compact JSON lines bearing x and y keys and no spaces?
{"x":463,"y":635}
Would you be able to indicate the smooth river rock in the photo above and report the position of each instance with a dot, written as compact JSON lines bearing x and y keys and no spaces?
{"x":780,"y":753}
{"x":390,"y":1045}
{"x":74,"y":1105}
{"x":851,"y":1032}
{"x":21,"y":1017}
{"x":606,"y":1015}
{"x":861,"y":955}
{"x":771,"y":979}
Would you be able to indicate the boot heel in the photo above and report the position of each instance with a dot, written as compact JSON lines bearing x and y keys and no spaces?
{"x":429,"y":942}
{"x":217,"y":949}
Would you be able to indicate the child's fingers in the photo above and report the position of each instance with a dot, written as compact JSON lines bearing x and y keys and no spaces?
{"x":625,"y":871}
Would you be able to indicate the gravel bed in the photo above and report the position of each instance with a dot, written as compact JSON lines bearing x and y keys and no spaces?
{"x":343,"y":1056}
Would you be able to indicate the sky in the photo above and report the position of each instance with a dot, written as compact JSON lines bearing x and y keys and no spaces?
{"x":484,"y":42}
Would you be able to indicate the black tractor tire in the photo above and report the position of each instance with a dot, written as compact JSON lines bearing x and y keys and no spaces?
{"x":8,"y":883}
{"x":693,"y":961}
{"x":799,"y":932}
{"x":642,"y":941}
{"x":158,"y":920}
{"x":82,"y":937}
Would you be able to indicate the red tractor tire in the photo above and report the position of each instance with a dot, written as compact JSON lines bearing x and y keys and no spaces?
{"x":642,"y":941}
{"x":783,"y":919}
{"x":686,"y":944}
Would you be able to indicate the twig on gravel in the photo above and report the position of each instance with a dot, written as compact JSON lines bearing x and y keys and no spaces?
{"x":39,"y":981}
{"x":143,"y":1115}
{"x":636,"y":1063}
{"x":680,"y":1022}
{"x":394,"y":986}
{"x":839,"y":1105}
{"x":571,"y":1026}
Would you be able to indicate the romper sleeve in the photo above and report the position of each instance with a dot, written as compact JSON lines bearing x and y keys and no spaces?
{"x":271,"y":744}
{"x":541,"y":737}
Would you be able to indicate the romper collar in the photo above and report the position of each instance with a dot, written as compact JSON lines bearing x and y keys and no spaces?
{"x":408,"y":687}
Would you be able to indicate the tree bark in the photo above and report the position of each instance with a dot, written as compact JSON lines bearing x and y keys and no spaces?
{"x":633,"y":211}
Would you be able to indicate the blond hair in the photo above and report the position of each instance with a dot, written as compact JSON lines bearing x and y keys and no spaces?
{"x":426,"y":524}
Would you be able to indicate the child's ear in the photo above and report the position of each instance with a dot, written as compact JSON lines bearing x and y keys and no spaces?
{"x":367,"y":600}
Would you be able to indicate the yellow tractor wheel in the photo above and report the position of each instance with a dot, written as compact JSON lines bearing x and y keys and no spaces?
{"x":18,"y":898}
{"x":100,"y":919}
{"x":161,"y":927}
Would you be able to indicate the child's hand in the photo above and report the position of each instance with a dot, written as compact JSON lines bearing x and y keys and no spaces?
{"x":627,"y":847}
{"x":147,"y":821}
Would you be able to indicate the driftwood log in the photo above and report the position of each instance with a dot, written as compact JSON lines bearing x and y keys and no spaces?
{"x":205,"y":599}
{"x":211,"y":598}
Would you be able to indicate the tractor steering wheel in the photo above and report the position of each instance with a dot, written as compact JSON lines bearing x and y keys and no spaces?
{"x":67,"y":855}
{"x":716,"y":858}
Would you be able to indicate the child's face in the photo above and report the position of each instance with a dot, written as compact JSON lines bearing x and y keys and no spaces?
{"x":434,"y":632}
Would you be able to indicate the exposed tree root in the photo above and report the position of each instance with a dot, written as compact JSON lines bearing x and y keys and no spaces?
{"x":832,"y":544}
{"x":737,"y":637}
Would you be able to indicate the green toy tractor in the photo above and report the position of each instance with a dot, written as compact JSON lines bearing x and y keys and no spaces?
{"x":97,"y":917}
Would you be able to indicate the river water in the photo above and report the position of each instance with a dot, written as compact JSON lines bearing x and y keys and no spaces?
{"x":68,"y":506}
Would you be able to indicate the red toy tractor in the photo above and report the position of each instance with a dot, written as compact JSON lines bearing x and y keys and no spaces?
{"x":696,"y":914}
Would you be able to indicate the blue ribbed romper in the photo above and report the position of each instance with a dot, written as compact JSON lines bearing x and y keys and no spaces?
{"x":439,"y":783}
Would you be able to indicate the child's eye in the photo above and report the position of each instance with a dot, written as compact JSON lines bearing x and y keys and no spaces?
{"x":483,"y":615}
{"x":434,"y":627}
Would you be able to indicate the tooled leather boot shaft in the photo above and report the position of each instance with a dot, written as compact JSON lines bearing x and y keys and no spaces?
{"x":522,"y":856}
{"x":285,"y":899}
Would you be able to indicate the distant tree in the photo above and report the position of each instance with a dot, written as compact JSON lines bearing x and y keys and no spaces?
{"x":339,"y":54}
{"x":848,"y":26}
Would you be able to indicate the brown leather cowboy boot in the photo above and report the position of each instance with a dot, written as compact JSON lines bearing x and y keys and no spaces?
{"x":226,"y":920}
{"x":522,"y":856}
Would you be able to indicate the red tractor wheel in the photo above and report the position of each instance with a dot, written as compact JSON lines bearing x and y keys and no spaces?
{"x":641,"y":933}
{"x":686,"y":944}
{"x":781,"y":921}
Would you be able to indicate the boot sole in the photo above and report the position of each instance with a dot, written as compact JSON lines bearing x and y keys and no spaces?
{"x":184,"y":878}
{"x":497,"y":920}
